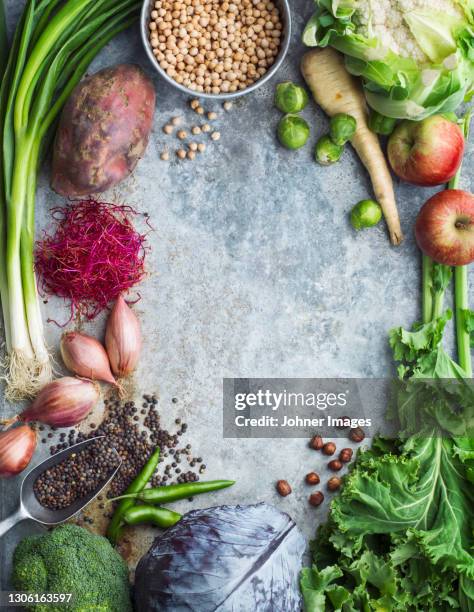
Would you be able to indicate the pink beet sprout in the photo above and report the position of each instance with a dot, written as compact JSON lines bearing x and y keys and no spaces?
{"x":93,"y":255}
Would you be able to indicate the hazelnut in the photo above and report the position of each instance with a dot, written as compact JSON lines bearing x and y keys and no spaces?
{"x":335,"y":465}
{"x":312,"y":478}
{"x":345,"y":455}
{"x":316,"y":499}
{"x":329,"y":448}
{"x":356,"y":434}
{"x":283,"y":488}
{"x":316,"y":443}
{"x":334,"y":483}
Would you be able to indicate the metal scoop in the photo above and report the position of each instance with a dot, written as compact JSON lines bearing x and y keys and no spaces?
{"x":30,"y":508}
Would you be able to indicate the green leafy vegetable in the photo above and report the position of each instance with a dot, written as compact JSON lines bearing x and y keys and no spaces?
{"x":421,"y":65}
{"x":400,"y":535}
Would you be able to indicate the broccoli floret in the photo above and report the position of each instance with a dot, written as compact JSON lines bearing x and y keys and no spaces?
{"x":70,"y":559}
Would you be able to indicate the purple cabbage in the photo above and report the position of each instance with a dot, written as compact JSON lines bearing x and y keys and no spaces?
{"x":229,"y":558}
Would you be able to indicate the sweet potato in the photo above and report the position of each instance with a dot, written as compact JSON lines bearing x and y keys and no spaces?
{"x":104,"y":130}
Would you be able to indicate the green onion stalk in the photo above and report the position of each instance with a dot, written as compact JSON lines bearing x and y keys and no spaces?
{"x":433,"y":295}
{"x":55,"y":42}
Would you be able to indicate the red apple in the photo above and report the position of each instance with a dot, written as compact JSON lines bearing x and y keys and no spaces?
{"x":426,"y":153}
{"x":444,"y":228}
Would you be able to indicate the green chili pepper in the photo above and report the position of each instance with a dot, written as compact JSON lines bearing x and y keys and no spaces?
{"x":115,"y":526}
{"x":161,"y":517}
{"x":170,"y":493}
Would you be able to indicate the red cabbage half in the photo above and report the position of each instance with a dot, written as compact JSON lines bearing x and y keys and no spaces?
{"x":229,"y":558}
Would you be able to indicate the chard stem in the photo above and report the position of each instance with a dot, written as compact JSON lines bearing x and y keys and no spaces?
{"x":427,"y":265}
{"x":461,"y":304}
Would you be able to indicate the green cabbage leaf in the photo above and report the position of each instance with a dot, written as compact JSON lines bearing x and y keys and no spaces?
{"x":397,"y":86}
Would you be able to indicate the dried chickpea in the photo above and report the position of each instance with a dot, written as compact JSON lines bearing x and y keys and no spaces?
{"x":165,"y":156}
{"x":191,"y":155}
{"x":182,"y":134}
{"x":206,"y":128}
{"x":168,"y":129}
{"x":196,"y":130}
{"x":215,"y":135}
{"x":201,"y":147}
{"x":181,"y":153}
{"x":215,"y":47}
{"x":193,"y":146}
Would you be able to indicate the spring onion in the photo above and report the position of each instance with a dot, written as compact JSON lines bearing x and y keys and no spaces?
{"x":54,"y":43}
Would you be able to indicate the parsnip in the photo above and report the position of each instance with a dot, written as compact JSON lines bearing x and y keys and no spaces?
{"x":336,"y":91}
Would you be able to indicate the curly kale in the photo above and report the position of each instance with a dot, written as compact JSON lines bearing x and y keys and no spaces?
{"x":70,"y":559}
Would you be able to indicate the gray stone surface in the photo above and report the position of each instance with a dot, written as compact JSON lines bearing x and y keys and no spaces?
{"x":254,"y":271}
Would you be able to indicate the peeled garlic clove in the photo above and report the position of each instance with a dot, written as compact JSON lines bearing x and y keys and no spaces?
{"x":123,"y":339}
{"x":17,"y":446}
{"x":63,"y":403}
{"x":85,"y":356}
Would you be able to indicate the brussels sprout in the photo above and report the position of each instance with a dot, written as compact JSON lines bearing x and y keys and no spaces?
{"x":293,"y":131}
{"x":327,"y":152}
{"x":290,"y":98}
{"x":366,"y":213}
{"x":380,"y":124}
{"x":342,"y":128}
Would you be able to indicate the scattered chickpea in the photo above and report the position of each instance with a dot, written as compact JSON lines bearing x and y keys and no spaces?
{"x":227,"y":105}
{"x":193,"y":146}
{"x":199,"y":110}
{"x":212,"y":116}
{"x":176,"y":121}
{"x":201,"y":147}
{"x":182,"y":134}
{"x":181,"y":153}
{"x":168,"y":129}
{"x":196,"y":130}
{"x":215,"y":135}
{"x":165,"y":156}
{"x":206,"y":128}
{"x":191,"y":155}
{"x":194,"y":104}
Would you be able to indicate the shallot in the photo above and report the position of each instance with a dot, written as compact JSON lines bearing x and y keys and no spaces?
{"x":85,"y":356}
{"x":123,"y":338}
{"x":17,"y":446}
{"x":62,"y":403}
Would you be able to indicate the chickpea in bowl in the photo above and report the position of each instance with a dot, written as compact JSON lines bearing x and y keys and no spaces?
{"x":216,"y":48}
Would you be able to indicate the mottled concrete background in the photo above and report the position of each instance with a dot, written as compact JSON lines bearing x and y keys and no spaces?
{"x":254,"y":271}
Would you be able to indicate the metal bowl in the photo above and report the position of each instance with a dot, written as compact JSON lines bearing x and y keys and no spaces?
{"x":285,"y":14}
